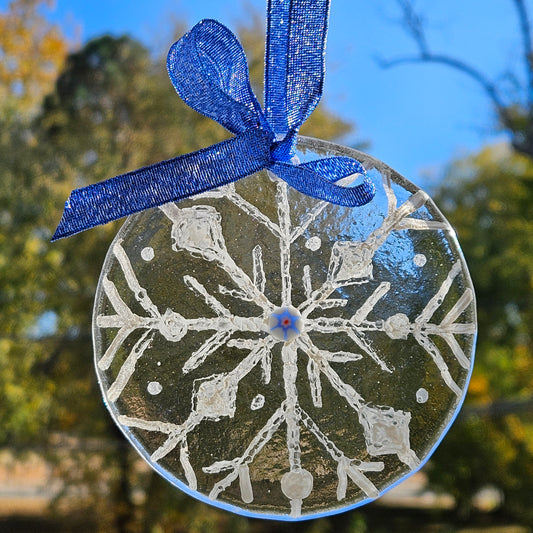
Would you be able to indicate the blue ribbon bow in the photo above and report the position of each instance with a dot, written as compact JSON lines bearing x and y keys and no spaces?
{"x":208,"y":69}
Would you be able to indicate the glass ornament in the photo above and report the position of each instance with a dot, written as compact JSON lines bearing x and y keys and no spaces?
{"x":283,"y":357}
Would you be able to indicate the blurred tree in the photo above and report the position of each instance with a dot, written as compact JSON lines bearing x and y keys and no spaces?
{"x":489,"y":199}
{"x":31,"y":53}
{"x":113,"y":109}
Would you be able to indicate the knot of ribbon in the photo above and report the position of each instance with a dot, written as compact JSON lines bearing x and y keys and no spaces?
{"x":208,"y":69}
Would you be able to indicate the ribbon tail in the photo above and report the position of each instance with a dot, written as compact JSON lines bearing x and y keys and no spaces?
{"x":167,"y":181}
{"x":335,"y":168}
{"x":305,"y":179}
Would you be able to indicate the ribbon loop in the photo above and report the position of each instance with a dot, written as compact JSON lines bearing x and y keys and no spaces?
{"x":335,"y":168}
{"x":294,"y":61}
{"x":305,"y":179}
{"x":208,"y":69}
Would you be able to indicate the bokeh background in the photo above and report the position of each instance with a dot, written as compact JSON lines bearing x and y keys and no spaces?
{"x":441,"y":91}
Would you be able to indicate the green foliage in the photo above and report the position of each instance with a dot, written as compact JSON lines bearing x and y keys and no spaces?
{"x":32,"y":51}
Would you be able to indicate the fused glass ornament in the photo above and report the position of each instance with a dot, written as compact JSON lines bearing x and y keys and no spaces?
{"x":283,"y":357}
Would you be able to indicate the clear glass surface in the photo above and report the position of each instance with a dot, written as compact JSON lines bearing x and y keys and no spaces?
{"x":283,"y":357}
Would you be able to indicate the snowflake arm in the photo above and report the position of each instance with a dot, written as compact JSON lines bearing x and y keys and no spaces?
{"x":254,"y":447}
{"x":131,"y":279}
{"x":171,"y":325}
{"x":128,"y":367}
{"x":351,"y":262}
{"x":434,"y":352}
{"x":253,"y":211}
{"x":345,"y":467}
{"x":259,"y":269}
{"x":213,"y":398}
{"x":285,"y":243}
{"x":229,"y":192}
{"x":289,"y":357}
{"x":198,"y":230}
{"x":193,"y":284}
{"x":368,"y":416}
{"x":310,"y":217}
{"x":125,"y":320}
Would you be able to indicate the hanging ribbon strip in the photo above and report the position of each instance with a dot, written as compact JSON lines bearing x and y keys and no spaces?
{"x":208,"y":69}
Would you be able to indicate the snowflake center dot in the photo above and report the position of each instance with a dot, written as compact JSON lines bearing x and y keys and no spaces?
{"x":285,"y":323}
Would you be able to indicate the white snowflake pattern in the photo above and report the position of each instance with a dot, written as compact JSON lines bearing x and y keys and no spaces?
{"x":291,"y":325}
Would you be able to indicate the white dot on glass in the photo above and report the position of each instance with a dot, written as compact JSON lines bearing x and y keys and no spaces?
{"x":147,"y":253}
{"x":313,"y":244}
{"x":257,"y":402}
{"x":154,"y":387}
{"x":419,"y":260}
{"x":422,"y":395}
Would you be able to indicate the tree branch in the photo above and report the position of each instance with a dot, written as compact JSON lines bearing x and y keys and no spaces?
{"x":525,"y":29}
{"x":428,"y":57}
{"x":514,"y":116}
{"x":414,"y":25}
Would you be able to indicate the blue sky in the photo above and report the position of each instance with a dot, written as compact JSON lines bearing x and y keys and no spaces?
{"x":415,"y":117}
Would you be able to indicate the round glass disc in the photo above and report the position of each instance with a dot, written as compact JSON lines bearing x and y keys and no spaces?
{"x":283,"y":357}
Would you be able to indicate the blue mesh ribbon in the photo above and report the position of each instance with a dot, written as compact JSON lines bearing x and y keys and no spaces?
{"x":208,"y":69}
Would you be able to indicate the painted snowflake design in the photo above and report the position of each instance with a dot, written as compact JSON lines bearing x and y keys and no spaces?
{"x":296,"y":329}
